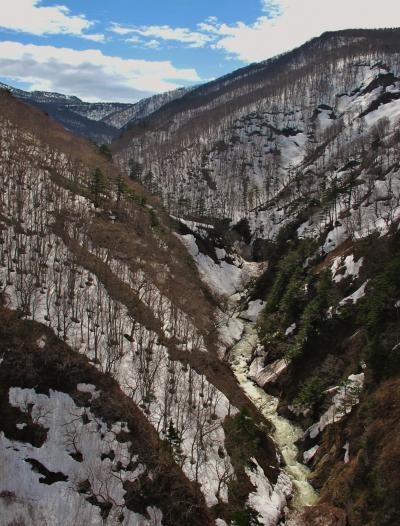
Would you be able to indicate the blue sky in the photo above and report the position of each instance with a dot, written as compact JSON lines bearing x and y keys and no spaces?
{"x":123,"y":50}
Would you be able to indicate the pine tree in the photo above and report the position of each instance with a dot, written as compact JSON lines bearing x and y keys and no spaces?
{"x":121,"y":188}
{"x":174,"y":440}
{"x":135,"y":170}
{"x":97,"y":186}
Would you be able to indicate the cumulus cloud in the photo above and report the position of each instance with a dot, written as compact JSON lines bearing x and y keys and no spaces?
{"x":89,"y":74}
{"x":152,"y":44}
{"x":119,"y":29}
{"x":289,"y":23}
{"x":28,"y":16}
{"x":281,"y":26}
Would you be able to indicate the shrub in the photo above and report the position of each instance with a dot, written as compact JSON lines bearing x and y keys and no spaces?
{"x":310,"y":394}
{"x":246,"y":517}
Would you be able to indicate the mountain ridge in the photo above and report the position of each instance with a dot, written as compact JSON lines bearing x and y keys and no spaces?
{"x":98,"y":121}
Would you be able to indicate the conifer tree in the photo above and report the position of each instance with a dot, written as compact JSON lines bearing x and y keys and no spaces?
{"x":97,"y":186}
{"x":174,"y":440}
{"x":121,"y":188}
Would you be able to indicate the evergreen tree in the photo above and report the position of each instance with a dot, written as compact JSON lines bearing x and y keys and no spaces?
{"x":97,"y":186}
{"x":135,"y":170}
{"x":121,"y":188}
{"x":174,"y":440}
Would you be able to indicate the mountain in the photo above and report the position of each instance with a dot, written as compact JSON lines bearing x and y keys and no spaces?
{"x":217,"y":145}
{"x":112,"y":389}
{"x":205,"y":329}
{"x":294,"y":161}
{"x":98,"y":121}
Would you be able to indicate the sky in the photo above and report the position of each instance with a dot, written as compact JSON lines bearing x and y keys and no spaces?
{"x":124,"y":50}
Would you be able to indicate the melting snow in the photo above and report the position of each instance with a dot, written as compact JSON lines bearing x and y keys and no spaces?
{"x":351,"y":268}
{"x":70,"y":430}
{"x":224,"y":278}
{"x":358,"y":294}
{"x":345,"y":398}
{"x":253,"y":310}
{"x":268,"y":501}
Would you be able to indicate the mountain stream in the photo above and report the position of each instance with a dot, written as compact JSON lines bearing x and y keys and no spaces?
{"x":285,"y":433}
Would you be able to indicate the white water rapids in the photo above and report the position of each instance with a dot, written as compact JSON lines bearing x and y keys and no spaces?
{"x":285,"y":434}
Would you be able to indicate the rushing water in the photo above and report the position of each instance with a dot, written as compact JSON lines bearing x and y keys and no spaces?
{"x":285,"y":434}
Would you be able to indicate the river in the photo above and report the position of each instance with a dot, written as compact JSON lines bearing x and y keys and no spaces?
{"x":286,"y":433}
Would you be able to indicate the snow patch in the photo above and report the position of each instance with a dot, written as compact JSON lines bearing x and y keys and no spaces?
{"x":88,"y":388}
{"x":346,"y":397}
{"x":268,"y":500}
{"x":253,"y":310}
{"x":351,"y":268}
{"x":310,"y":454}
{"x":358,"y":294}
{"x":346,"y":448}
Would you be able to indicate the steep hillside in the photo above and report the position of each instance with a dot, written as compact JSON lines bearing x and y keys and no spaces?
{"x":90,"y":264}
{"x":75,"y":449}
{"x":99,"y":121}
{"x":295,"y":162}
{"x":230,"y":146}
{"x":143,"y":108}
{"x":229,"y":335}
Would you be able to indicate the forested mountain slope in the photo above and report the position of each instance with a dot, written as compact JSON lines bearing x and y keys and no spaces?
{"x":228,"y":337}
{"x":295,"y":162}
{"x":99,"y":121}
{"x":90,"y":265}
{"x":231,"y":147}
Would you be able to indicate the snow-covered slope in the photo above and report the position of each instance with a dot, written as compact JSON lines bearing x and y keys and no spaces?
{"x":92,"y":259}
{"x":99,"y":121}
{"x":263,"y":156}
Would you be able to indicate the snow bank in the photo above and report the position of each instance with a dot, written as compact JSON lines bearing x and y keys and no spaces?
{"x":253,"y":310}
{"x":223,"y":277}
{"x":82,"y":451}
{"x":269,"y":501}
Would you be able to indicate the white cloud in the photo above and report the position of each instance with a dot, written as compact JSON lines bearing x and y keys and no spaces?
{"x":29,"y":16}
{"x":89,"y":74}
{"x":184,"y":35}
{"x":120,"y":30}
{"x":133,"y":39}
{"x":273,"y":8}
{"x":289,"y":23}
{"x":152,"y":44}
{"x":283,"y":25}
{"x":94,"y":37}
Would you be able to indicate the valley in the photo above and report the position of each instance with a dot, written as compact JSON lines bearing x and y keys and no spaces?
{"x":200,"y":324}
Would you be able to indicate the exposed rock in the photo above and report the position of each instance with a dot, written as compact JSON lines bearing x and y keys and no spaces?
{"x":269,"y":374}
